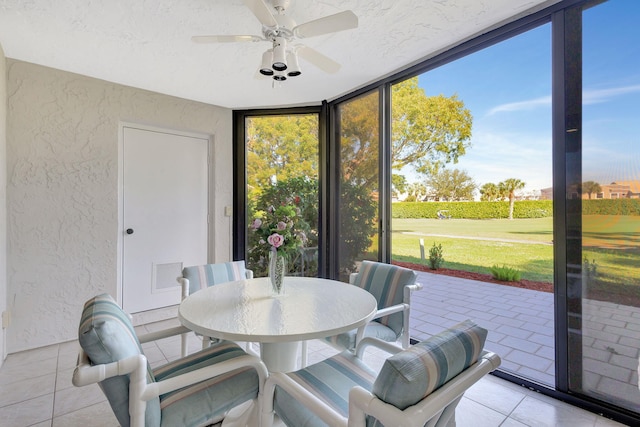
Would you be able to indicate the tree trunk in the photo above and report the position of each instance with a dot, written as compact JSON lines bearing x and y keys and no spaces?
{"x":511,"y":200}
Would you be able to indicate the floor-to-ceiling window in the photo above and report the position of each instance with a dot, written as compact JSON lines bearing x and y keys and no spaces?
{"x":593,"y":263}
{"x":282,"y":190}
{"x":473,"y":159}
{"x":359,"y":182}
{"x":603,"y":190}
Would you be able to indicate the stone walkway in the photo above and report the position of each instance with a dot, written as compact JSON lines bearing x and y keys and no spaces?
{"x":521,"y":331}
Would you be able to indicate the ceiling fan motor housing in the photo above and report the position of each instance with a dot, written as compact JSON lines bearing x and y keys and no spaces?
{"x":280,"y":5}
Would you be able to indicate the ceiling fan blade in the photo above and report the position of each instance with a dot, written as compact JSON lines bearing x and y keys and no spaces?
{"x":225,"y":39}
{"x":346,"y":20}
{"x":262,"y":11}
{"x":321,"y":61}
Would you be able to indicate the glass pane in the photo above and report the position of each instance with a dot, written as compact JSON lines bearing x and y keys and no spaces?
{"x":282,"y":190}
{"x":359,"y":182}
{"x":472,"y":146}
{"x":610,"y":195}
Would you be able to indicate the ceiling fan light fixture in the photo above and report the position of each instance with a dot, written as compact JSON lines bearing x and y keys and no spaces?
{"x":279,"y":77}
{"x":294,"y":67}
{"x":279,"y":54}
{"x":265,"y":67}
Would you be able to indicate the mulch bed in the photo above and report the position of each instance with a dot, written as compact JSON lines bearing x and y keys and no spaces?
{"x":526,"y":284}
{"x":616,"y":296}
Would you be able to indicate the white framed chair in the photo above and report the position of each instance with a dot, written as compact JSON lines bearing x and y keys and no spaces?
{"x":392,"y":287}
{"x":199,"y":277}
{"x":418,"y":386}
{"x":190,"y":391}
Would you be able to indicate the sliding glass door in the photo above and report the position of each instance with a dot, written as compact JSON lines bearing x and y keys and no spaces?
{"x":603,"y":199}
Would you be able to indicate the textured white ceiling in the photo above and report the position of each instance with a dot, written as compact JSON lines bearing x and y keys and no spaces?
{"x":146,"y":43}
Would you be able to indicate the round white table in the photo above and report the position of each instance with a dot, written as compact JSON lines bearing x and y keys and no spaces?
{"x":245,"y":310}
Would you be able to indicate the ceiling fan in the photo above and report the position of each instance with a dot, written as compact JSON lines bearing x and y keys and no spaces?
{"x":281,"y":60}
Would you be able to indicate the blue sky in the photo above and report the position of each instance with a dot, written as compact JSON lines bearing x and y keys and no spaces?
{"x":507,"y":87}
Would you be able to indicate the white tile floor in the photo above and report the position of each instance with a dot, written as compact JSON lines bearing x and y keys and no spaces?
{"x":36,"y":390}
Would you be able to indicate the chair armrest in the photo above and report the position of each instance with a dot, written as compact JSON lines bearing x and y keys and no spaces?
{"x":174,"y":383}
{"x":184,"y":284}
{"x":352,"y":278}
{"x":85,"y":373}
{"x":415,"y":287}
{"x":362,"y":402}
{"x":165,"y":333}
{"x":378,"y":343}
{"x":390,"y":310}
{"x":302,"y":395}
{"x":249,"y":274}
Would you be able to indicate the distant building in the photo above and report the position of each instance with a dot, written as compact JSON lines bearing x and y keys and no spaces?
{"x":615,"y":190}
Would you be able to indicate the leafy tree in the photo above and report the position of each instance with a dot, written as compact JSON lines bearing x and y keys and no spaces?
{"x":591,"y":187}
{"x":427,"y":132}
{"x":280,"y":148}
{"x":490,"y":192}
{"x":417,"y":192}
{"x":451,"y":185}
{"x":399,"y":184}
{"x":509,"y":187}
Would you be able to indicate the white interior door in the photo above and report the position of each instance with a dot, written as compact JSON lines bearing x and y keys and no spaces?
{"x":165,"y":183}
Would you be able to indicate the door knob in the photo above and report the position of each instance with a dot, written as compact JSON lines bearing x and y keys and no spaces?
{"x":129,"y":230}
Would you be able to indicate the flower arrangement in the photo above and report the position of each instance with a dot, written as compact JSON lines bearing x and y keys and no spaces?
{"x":278,"y":229}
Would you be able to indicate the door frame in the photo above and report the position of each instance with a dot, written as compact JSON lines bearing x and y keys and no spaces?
{"x":120,"y":231}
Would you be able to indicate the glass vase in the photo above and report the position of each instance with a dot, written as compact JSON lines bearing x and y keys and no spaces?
{"x":277,"y":271}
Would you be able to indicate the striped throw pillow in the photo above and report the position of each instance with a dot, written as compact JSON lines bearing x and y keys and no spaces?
{"x":411,"y":375}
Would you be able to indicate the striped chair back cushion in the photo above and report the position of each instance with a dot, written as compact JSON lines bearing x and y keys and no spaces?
{"x":411,"y":375}
{"x":106,"y":335}
{"x":202,"y":276}
{"x":386,"y":283}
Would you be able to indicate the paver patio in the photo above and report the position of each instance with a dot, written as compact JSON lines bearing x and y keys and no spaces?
{"x":521,"y":330}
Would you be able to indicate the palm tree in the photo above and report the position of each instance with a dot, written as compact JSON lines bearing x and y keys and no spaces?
{"x":489,"y":192}
{"x":590,"y":187}
{"x":509,"y":187}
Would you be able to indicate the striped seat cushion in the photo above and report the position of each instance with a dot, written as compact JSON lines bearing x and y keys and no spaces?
{"x":202,"y":276}
{"x":373,"y":329}
{"x":386,"y":283}
{"x":106,"y":335}
{"x":409,"y":376}
{"x":330,"y":380}
{"x":210,"y":399}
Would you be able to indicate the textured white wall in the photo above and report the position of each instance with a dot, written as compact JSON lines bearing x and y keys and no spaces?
{"x":3,"y":196}
{"x":62,"y":190}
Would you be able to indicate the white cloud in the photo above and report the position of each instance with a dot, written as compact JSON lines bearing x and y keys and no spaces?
{"x":603,"y":95}
{"x":529,"y":104}
{"x":589,"y":96}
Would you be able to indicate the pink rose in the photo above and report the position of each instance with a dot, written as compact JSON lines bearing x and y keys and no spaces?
{"x":276,"y":240}
{"x":256,"y":223}
{"x":281,"y":225}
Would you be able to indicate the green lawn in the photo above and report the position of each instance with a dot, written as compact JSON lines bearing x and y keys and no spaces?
{"x":524,"y":244}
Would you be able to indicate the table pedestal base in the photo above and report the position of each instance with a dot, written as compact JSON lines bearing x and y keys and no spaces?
{"x":280,"y":356}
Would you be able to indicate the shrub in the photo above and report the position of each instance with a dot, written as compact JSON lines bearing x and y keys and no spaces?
{"x":505,"y":274}
{"x":590,"y":268}
{"x":435,"y":256}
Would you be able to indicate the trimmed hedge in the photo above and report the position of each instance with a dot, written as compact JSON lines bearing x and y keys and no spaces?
{"x":611,"y":207}
{"x":473,"y":210}
{"x":521,"y":209}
